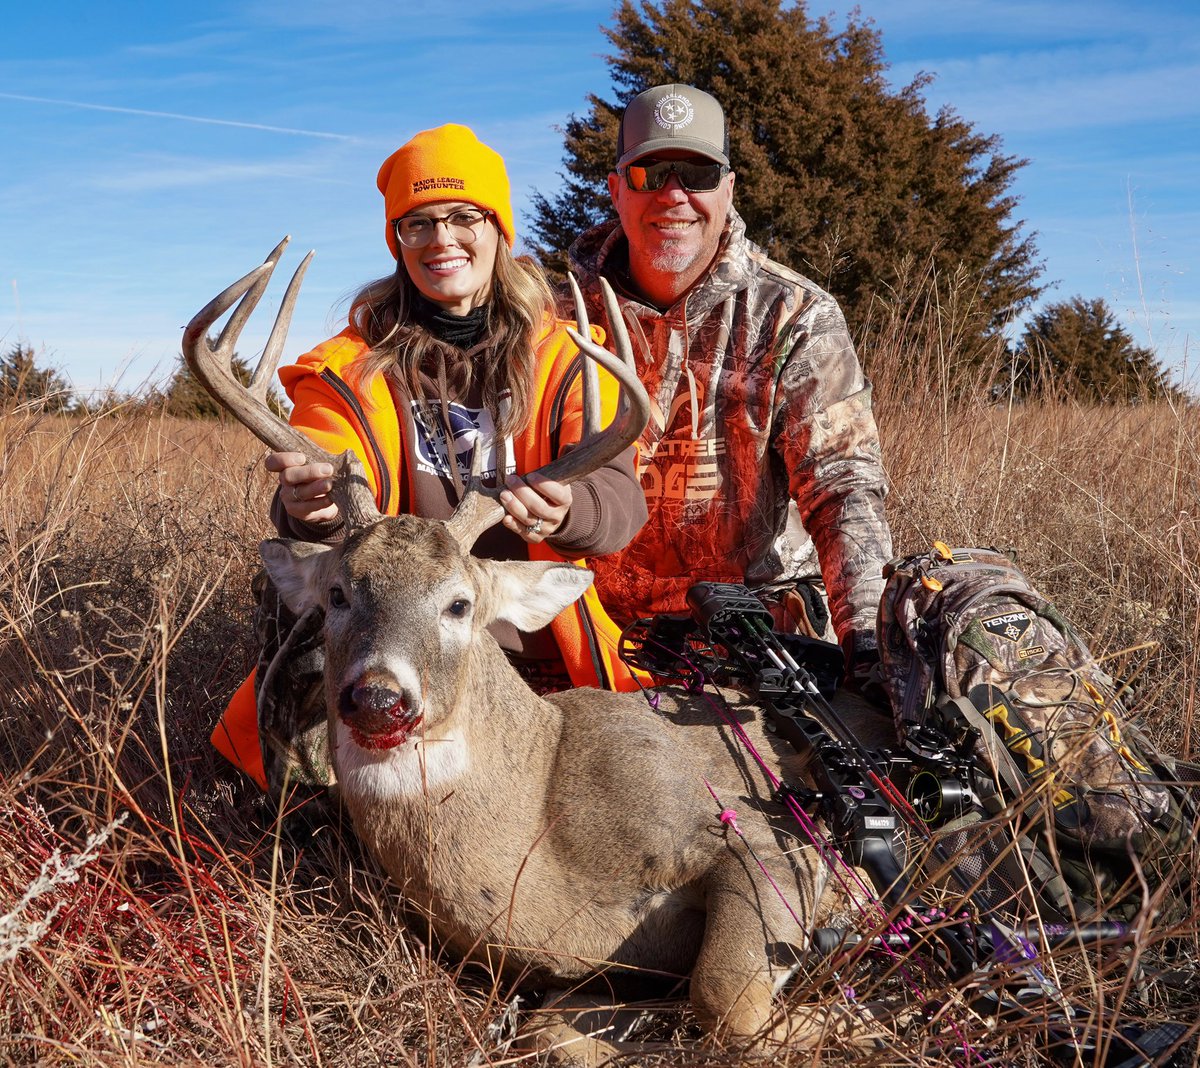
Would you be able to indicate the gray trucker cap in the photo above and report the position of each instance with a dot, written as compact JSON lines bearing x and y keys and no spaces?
{"x":672,"y":116}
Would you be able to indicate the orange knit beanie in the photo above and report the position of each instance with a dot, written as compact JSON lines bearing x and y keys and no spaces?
{"x":447,"y":163}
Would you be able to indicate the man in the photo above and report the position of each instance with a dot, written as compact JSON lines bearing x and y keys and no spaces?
{"x":762,"y":442}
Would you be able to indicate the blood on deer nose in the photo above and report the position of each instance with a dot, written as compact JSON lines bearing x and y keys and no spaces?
{"x":379,"y":715}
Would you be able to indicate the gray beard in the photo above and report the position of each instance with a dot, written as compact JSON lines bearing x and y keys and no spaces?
{"x":672,"y":262}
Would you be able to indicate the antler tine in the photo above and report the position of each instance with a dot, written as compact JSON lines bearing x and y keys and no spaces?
{"x":479,"y":508}
{"x":214,"y":370}
{"x":248,"y":404}
{"x":591,"y":377}
{"x":633,"y":406}
{"x":623,"y":347}
{"x":233,"y":329}
{"x":260,"y":381}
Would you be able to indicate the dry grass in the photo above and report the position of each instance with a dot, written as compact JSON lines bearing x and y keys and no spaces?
{"x":195,"y":933}
{"x":157,"y":910}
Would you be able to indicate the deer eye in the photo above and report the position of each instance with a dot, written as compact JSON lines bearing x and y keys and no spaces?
{"x":458,"y":608}
{"x":337,"y":597}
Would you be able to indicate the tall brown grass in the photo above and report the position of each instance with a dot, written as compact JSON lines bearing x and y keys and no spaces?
{"x":157,"y":909}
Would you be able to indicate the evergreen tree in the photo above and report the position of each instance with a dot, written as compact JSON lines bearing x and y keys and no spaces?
{"x":1078,"y":346}
{"x":23,"y":382}
{"x":184,"y":396}
{"x":838,"y":176}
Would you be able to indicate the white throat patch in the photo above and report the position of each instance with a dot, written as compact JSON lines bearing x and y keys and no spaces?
{"x":421,"y":765}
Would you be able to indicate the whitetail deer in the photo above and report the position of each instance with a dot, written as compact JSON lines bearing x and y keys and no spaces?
{"x":553,"y":838}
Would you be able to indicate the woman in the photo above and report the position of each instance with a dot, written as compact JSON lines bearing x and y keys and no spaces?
{"x":458,"y":350}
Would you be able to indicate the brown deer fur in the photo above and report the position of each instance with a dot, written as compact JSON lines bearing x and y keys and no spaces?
{"x":556,"y":838}
{"x":551,"y":838}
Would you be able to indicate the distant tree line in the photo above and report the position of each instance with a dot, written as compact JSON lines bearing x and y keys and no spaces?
{"x":23,"y":383}
{"x":1078,"y":348}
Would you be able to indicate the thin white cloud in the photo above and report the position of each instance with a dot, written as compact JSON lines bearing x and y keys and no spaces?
{"x":422,"y":18}
{"x":197,"y":46}
{"x":1045,"y":92}
{"x":187,"y":174}
{"x":324,"y":135}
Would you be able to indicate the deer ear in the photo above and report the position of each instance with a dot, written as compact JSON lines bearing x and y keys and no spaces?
{"x":529,"y":594}
{"x":295,"y":568}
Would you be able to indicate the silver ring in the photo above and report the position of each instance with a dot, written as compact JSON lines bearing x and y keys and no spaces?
{"x":535,"y":527}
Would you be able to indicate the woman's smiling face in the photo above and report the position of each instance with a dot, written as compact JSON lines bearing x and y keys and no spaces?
{"x":454,"y":274}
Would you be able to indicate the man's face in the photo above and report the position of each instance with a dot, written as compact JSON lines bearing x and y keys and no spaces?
{"x":673,"y":234}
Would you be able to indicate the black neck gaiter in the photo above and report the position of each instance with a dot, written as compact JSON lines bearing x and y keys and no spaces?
{"x":461,"y":331}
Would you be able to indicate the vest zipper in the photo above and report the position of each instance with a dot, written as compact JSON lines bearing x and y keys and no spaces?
{"x":352,"y":402}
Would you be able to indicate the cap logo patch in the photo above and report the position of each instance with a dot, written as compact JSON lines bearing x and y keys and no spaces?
{"x":673,"y":112}
{"x":423,"y":185}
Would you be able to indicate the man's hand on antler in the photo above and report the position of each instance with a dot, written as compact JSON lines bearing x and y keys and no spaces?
{"x":303,"y":487}
{"x":536,"y":506}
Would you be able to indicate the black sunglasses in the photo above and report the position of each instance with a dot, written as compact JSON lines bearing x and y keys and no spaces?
{"x":695,"y":176}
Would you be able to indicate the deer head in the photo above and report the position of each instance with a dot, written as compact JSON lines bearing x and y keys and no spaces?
{"x":406,"y":610}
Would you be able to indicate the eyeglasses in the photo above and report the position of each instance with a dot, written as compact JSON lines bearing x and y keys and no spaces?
{"x":648,"y":175}
{"x":417,"y":231}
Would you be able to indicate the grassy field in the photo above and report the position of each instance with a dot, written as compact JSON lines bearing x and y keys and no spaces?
{"x":154,"y":909}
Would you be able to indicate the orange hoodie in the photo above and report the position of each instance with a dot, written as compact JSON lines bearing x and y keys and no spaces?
{"x":364,"y":418}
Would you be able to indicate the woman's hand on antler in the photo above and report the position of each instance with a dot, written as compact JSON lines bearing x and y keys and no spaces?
{"x":303,"y":487}
{"x":536,"y":506}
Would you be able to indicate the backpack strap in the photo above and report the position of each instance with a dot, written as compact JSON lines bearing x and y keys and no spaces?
{"x":1041,"y":868}
{"x":998,"y":755}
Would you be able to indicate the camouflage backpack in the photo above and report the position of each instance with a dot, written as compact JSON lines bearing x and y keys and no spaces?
{"x":967,"y":644}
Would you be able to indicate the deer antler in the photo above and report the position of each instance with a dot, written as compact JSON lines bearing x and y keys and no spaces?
{"x":480,"y":506}
{"x":248,"y":404}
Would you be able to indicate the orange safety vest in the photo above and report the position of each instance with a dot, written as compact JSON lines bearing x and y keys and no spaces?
{"x":337,"y":417}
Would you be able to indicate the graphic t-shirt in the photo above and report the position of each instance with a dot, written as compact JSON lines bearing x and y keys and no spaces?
{"x":470,"y":428}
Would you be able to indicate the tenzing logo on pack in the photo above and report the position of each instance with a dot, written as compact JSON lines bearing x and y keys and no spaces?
{"x":1010,"y":626}
{"x":673,"y":112}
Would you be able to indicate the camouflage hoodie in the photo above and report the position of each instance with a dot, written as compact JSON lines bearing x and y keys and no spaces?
{"x":761,"y":435}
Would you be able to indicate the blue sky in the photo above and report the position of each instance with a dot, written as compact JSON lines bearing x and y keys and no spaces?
{"x":154,"y":152}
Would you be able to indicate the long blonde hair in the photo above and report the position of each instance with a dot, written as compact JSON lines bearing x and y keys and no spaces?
{"x":384,"y":314}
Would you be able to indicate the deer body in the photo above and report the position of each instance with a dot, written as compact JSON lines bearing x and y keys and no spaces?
{"x":551,"y":838}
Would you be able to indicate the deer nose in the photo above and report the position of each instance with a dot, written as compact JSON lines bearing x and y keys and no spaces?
{"x":376,"y":707}
{"x":372,"y":698}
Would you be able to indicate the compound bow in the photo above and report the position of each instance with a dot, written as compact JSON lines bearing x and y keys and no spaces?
{"x":729,"y":637}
